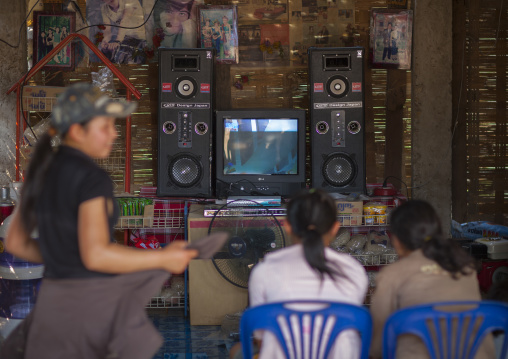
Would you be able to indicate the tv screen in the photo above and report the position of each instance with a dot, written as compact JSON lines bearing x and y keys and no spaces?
{"x":260,"y":152}
{"x":260,"y":146}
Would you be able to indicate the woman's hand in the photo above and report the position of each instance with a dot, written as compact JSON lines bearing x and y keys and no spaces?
{"x":176,"y":257}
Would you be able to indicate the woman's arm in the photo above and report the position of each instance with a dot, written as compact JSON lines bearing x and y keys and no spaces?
{"x":99,"y":254}
{"x":19,"y":243}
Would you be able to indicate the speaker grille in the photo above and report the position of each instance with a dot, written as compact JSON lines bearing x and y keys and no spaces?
{"x":185,"y":170}
{"x":339,"y":170}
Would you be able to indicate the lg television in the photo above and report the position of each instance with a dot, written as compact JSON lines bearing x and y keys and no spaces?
{"x":260,"y":152}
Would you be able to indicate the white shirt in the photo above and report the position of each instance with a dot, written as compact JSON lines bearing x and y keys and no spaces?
{"x":285,"y":275}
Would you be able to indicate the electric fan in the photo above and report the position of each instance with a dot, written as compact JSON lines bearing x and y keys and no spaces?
{"x":253,"y":232}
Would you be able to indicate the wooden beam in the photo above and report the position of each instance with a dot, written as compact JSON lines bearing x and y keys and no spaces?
{"x":459,"y":92}
{"x":394,"y":136}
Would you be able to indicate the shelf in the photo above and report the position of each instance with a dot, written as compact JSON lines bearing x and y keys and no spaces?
{"x":375,"y":259}
{"x":363,"y":220}
{"x":162,"y":302}
{"x":162,"y":214}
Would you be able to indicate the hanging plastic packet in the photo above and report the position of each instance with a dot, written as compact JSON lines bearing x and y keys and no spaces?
{"x":104,"y":81}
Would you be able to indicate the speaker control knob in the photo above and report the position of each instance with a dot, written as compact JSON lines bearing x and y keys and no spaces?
{"x":201,"y":128}
{"x":168,"y":127}
{"x":322,"y":127}
{"x":354,"y":127}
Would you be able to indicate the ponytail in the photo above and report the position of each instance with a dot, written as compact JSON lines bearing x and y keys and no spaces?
{"x":314,"y":252}
{"x":34,"y":182}
{"x":312,"y":214}
{"x":417,"y":226}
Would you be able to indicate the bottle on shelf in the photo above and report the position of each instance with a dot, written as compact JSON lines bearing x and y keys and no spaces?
{"x":6,"y":203}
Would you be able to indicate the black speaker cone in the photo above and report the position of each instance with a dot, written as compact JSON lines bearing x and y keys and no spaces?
{"x":186,"y":87}
{"x":339,"y":169}
{"x":185,"y":170}
{"x":337,"y":86}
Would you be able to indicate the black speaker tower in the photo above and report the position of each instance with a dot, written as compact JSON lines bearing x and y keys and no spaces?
{"x":337,"y":119}
{"x":186,"y":92}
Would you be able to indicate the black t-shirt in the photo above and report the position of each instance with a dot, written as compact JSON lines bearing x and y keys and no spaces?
{"x":72,"y":178}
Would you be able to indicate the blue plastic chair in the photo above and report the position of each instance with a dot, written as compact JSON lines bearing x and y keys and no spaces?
{"x":456,"y":329}
{"x":306,"y":326}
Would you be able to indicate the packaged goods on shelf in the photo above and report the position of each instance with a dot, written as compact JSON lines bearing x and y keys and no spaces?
{"x":375,"y":213}
{"x":341,"y":239}
{"x":350,"y":213}
{"x":135,"y":212}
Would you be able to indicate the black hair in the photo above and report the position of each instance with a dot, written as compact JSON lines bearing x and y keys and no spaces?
{"x":311,"y":214}
{"x":34,"y":181}
{"x":417,"y":226}
{"x":499,"y":290}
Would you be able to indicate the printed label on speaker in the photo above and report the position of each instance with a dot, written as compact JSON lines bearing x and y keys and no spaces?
{"x":318,"y":87}
{"x":167,"y":87}
{"x":356,"y":87}
{"x":324,"y":106}
{"x":185,"y":105}
{"x":205,"y":88}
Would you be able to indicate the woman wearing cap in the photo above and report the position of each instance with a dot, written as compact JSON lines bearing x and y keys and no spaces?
{"x":92,"y":297}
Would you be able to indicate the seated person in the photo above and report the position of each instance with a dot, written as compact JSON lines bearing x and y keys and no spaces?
{"x":499,"y":292}
{"x":308,"y":270}
{"x":431,"y":268}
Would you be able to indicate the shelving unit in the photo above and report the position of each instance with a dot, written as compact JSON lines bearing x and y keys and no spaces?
{"x":367,"y":223}
{"x":164,"y":219}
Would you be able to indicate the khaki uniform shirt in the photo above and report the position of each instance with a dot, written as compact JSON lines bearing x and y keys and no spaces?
{"x":415,"y":280}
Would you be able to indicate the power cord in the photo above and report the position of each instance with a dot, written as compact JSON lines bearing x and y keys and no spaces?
{"x":123,"y":27}
{"x":21,"y":28}
{"x":385,"y":184}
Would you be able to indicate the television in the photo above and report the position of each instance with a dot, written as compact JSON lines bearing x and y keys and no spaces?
{"x":259,"y":152}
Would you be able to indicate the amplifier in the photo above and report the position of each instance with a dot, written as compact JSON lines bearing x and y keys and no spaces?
{"x":255,"y":201}
{"x":244,"y":211}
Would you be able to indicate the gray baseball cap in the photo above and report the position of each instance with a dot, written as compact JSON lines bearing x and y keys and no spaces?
{"x":83,"y":101}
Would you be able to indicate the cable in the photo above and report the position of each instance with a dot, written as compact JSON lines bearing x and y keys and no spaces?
{"x":21,"y":28}
{"x":385,"y":183}
{"x":123,"y":27}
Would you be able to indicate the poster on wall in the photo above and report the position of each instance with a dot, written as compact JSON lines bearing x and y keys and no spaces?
{"x":48,"y":31}
{"x":263,"y":11}
{"x":391,"y":38}
{"x":176,"y":23}
{"x":121,"y":29}
{"x":274,"y":42}
{"x":218,"y":29}
{"x":248,"y":43}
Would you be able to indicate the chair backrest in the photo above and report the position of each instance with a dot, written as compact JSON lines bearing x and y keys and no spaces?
{"x":448,"y":329}
{"x":306,"y":329}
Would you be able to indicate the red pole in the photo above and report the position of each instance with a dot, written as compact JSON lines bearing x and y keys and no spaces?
{"x":128,"y":150}
{"x":18,"y":139}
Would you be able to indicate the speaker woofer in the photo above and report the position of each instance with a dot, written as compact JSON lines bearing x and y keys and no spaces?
{"x":339,"y":169}
{"x":337,"y":86}
{"x":186,"y":87}
{"x":185,"y":170}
